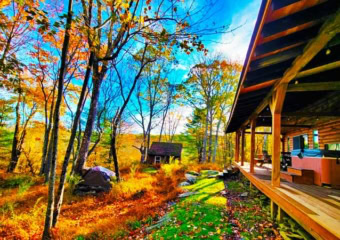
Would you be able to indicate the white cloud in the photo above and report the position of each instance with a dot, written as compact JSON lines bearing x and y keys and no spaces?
{"x":234,"y":45}
{"x":179,"y":67}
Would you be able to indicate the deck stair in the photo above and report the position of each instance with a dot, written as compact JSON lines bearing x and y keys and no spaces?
{"x":298,"y":175}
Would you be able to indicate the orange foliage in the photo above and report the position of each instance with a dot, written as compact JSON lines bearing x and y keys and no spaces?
{"x":139,"y":196}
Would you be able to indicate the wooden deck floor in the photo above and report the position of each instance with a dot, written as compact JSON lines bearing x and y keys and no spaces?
{"x":316,"y":208}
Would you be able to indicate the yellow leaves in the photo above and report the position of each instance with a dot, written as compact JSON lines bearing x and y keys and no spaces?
{"x":4,"y":3}
{"x":124,"y":5}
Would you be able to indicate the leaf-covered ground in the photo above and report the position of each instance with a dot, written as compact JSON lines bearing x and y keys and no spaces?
{"x":237,"y":212}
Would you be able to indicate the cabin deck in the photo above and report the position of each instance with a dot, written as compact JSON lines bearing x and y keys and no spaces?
{"x":315,"y":208}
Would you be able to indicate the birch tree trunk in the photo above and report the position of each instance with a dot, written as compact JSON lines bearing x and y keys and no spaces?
{"x":56,"y":118}
{"x":204,"y":150}
{"x":60,"y":193}
{"x":216,"y":140}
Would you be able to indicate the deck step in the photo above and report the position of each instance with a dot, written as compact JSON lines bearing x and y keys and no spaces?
{"x":299,"y":171}
{"x":306,"y":177}
{"x":288,"y":176}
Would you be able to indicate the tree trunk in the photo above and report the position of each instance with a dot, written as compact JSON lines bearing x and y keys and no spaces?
{"x":216,"y":139}
{"x":60,"y":193}
{"x":204,"y":150}
{"x":210,"y":134}
{"x":15,"y":151}
{"x":47,"y":137}
{"x":55,"y":129}
{"x":84,"y":148}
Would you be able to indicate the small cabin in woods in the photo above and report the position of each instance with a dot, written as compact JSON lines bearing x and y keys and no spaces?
{"x":164,"y":152}
{"x":290,"y":82}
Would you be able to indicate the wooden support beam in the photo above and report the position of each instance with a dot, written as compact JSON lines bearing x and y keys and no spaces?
{"x":273,"y":209}
{"x":268,"y":133}
{"x":320,"y":69}
{"x":252,"y":145}
{"x":314,"y":87}
{"x":243,"y":143}
{"x":237,"y":146}
{"x":328,"y":31}
{"x":303,"y":114}
{"x":276,"y":106}
{"x":302,"y":74}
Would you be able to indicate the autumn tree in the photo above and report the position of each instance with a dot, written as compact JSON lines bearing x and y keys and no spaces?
{"x":149,"y":105}
{"x":211,"y":86}
{"x":113,"y":28}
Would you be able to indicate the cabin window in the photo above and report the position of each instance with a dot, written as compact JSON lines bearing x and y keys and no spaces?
{"x":315,"y":139}
{"x":334,"y":146}
{"x":158,"y":159}
{"x":300,"y":142}
{"x":288,"y":144}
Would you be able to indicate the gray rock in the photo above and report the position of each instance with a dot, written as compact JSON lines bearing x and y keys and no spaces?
{"x":183,"y":184}
{"x":186,"y":194}
{"x":212,"y":176}
{"x":245,"y":194}
{"x":160,"y":223}
{"x":190,"y":178}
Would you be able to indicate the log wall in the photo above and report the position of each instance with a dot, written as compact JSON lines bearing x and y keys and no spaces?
{"x":328,"y":133}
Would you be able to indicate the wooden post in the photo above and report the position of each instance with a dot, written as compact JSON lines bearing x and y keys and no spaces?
{"x":276,"y":106}
{"x":237,"y":146}
{"x":273,"y":209}
{"x":242,"y":146}
{"x":252,"y":145}
{"x":283,"y":143}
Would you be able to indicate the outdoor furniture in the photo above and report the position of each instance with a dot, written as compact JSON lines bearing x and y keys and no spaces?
{"x":286,"y":160}
{"x":264,"y":158}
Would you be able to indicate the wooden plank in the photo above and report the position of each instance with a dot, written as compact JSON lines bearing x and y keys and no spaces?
{"x":327,"y":32}
{"x":317,"y":223}
{"x":320,"y":86}
{"x":266,"y":11}
{"x":277,"y":51}
{"x":287,"y":32}
{"x":292,"y":8}
{"x":252,"y":145}
{"x":306,"y":73}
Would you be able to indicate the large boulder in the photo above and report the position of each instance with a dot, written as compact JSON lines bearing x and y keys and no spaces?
{"x":190,"y":178}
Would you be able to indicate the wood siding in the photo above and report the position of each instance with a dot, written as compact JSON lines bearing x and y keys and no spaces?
{"x":328,"y":133}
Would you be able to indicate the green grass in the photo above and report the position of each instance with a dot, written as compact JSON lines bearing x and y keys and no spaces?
{"x":150,"y":170}
{"x":199,"y":216}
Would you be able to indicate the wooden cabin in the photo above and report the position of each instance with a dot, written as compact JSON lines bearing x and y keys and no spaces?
{"x":164,"y":152}
{"x":290,"y":82}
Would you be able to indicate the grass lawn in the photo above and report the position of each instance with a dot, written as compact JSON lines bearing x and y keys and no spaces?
{"x":199,"y":216}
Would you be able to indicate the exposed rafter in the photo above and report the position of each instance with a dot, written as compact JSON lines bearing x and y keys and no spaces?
{"x":320,"y":86}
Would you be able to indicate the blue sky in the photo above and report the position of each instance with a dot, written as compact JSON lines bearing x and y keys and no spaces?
{"x":241,"y":16}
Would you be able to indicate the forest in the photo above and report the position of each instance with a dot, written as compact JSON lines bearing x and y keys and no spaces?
{"x":93,"y":83}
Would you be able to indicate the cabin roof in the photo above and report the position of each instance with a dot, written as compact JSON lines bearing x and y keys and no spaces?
{"x":281,"y":41}
{"x":165,"y":149}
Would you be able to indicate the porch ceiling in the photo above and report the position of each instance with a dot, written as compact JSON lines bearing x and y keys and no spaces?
{"x":282,"y":32}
